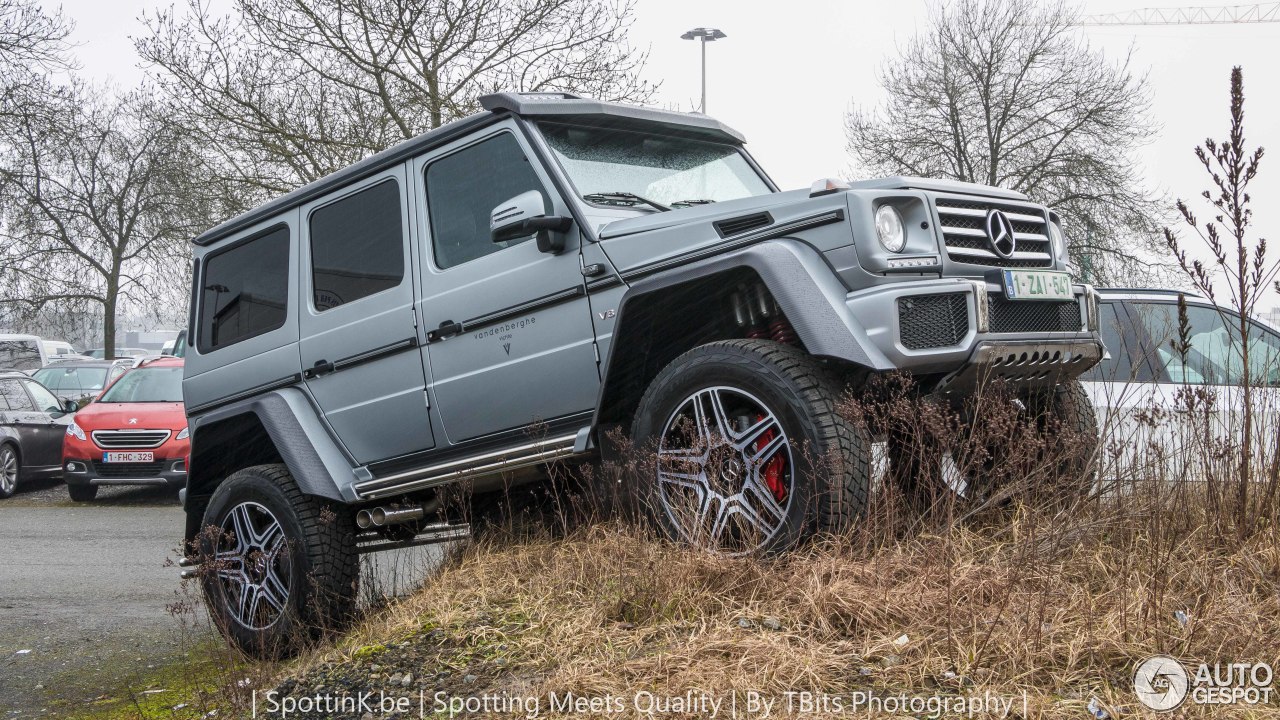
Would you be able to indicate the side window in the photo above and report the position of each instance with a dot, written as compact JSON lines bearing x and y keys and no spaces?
{"x":357,"y":246}
{"x":12,"y":394}
{"x":465,"y":187}
{"x":1212,"y":355}
{"x":244,"y":290}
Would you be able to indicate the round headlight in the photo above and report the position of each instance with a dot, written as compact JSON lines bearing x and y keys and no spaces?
{"x":1058,"y":240}
{"x":889,"y":229}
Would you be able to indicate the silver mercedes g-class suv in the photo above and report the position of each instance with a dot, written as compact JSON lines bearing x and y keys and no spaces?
{"x":494,"y":296}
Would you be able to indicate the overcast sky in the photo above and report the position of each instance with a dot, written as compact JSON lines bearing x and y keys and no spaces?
{"x":789,"y":71}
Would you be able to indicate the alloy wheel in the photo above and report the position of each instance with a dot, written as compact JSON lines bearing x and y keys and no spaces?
{"x":725,"y":471}
{"x":8,"y":470}
{"x":253,"y":566}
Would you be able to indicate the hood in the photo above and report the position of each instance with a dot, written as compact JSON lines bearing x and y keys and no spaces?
{"x":662,"y":236}
{"x":117,"y":416}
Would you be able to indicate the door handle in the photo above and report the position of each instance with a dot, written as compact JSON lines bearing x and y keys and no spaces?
{"x":448,"y":328}
{"x":322,"y":367}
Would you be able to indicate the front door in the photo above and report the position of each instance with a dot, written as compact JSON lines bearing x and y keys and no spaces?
{"x":512,"y":340}
{"x":358,"y":344}
{"x":34,"y":428}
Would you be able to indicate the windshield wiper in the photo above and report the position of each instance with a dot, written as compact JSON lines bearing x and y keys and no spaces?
{"x":623,"y":198}
{"x":690,"y":203}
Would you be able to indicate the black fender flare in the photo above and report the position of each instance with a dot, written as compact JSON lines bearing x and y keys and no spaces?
{"x":317,"y":463}
{"x":800,"y":280}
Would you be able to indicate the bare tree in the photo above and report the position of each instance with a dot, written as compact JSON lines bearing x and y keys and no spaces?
{"x":96,"y":206}
{"x":286,"y":91}
{"x":1004,"y":92}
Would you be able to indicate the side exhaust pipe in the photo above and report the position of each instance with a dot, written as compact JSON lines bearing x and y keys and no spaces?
{"x":384,"y":516}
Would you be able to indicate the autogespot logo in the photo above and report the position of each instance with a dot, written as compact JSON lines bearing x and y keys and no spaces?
{"x":1161,"y":683}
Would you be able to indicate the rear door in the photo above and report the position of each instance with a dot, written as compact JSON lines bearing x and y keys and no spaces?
{"x":358,"y":331}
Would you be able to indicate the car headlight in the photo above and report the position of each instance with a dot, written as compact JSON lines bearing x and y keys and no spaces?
{"x":184,"y":433}
{"x":1058,"y":240}
{"x":889,"y":229}
{"x":75,"y":431}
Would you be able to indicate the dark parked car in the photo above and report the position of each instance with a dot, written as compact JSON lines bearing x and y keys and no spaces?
{"x":33,"y":423}
{"x":81,"y":380}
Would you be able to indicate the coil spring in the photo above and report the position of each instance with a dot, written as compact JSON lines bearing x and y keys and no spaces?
{"x":780,"y":331}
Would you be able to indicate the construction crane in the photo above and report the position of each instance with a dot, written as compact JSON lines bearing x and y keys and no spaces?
{"x":1225,"y":15}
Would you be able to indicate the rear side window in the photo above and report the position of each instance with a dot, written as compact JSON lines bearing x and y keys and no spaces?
{"x":245,"y":290}
{"x":1119,"y":341}
{"x":465,"y":187}
{"x":13,"y":397}
{"x":357,"y":246}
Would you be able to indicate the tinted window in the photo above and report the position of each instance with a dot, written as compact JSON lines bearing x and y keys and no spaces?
{"x":45,"y":400}
{"x":163,"y":384}
{"x":357,"y":246}
{"x":465,"y":187}
{"x":19,"y":355}
{"x":14,"y":397}
{"x":1118,"y":339}
{"x":245,"y":290}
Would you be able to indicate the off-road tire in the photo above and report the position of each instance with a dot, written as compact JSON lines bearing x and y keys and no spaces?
{"x":82,"y":493}
{"x":833,"y":456}
{"x":8,"y":453}
{"x":1064,"y":411}
{"x":324,"y":568}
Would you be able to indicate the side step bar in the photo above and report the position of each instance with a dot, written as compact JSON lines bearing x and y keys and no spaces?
{"x":514,"y":458}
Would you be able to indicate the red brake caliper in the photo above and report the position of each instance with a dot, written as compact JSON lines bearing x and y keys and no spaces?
{"x":774,"y":468}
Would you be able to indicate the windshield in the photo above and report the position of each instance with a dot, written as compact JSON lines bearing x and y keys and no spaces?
{"x":19,"y":355}
{"x":162,"y":384}
{"x":73,"y":380}
{"x":668,"y":170}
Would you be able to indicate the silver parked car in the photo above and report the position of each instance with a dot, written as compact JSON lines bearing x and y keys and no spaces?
{"x":33,"y":423}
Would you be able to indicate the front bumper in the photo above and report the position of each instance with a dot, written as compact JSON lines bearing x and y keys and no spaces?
{"x":171,"y":472}
{"x":964,"y":331}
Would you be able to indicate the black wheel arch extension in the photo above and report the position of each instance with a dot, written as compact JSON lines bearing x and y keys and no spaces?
{"x":664,"y":315}
{"x":263,"y":430}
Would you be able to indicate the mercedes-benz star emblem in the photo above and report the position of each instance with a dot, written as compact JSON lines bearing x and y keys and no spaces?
{"x":1000,"y":233}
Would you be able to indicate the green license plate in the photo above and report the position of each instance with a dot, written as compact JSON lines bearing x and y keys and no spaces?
{"x":1037,"y":285}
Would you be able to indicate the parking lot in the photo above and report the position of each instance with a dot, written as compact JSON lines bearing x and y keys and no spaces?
{"x":85,"y":593}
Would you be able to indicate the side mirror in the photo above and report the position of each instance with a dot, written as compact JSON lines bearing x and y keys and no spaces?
{"x":525,"y":214}
{"x":69,"y":406}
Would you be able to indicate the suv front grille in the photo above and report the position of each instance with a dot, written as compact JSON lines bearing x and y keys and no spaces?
{"x":1024,"y":316}
{"x":933,"y":321}
{"x":128,"y":470}
{"x":964,"y":231}
{"x":132,"y":439}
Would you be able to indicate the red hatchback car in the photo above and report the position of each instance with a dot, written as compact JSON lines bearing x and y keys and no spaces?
{"x":134,"y":433}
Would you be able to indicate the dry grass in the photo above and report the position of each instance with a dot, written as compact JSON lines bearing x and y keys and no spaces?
{"x":1059,"y":607}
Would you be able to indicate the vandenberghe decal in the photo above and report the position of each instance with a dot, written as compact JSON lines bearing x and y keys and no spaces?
{"x":737,"y":704}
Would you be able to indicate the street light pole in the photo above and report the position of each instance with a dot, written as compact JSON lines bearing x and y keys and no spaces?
{"x":706,"y":35}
